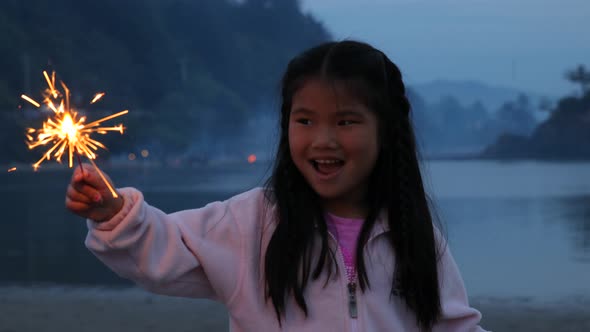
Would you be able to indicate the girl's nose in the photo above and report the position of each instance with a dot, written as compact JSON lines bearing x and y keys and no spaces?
{"x":325,"y":139}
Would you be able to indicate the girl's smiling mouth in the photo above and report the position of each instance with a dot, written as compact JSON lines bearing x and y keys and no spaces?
{"x":327,"y":167}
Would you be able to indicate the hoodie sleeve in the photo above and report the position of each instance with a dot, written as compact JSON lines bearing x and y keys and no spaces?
{"x":191,"y":253}
{"x":457,"y":315}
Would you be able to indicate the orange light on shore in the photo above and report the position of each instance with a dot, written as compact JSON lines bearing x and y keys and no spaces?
{"x":11,"y":169}
{"x":64,"y":130}
{"x":252,"y":158}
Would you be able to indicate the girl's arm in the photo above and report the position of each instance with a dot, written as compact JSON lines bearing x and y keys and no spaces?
{"x":192,"y":253}
{"x":457,"y":315}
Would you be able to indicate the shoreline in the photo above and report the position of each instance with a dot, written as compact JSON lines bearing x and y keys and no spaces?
{"x":130,"y":309}
{"x":150,"y":164}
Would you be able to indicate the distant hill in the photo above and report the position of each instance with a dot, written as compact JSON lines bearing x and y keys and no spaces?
{"x":187,"y":70}
{"x":565,"y":135}
{"x":447,"y":126}
{"x":470,"y":92}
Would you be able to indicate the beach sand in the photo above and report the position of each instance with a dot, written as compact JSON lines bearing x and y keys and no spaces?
{"x":24,"y":309}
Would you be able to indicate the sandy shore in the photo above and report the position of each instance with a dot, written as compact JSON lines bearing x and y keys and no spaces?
{"x":24,"y":309}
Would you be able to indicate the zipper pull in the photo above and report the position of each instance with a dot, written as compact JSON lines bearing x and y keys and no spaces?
{"x":352,"y":309}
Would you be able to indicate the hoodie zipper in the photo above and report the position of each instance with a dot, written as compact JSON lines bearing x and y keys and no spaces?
{"x":350,"y":286}
{"x":352,"y":307}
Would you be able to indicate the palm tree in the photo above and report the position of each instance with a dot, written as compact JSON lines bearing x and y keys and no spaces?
{"x":580,"y":76}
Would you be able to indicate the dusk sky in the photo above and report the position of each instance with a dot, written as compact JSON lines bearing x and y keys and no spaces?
{"x":526,"y":44}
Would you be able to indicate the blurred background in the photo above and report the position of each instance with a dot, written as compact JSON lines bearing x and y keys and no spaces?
{"x":500,"y":92}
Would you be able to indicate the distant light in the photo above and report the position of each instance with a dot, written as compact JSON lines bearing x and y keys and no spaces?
{"x":252,"y":158}
{"x":145,"y":153}
{"x":132,"y":156}
{"x":12,"y":169}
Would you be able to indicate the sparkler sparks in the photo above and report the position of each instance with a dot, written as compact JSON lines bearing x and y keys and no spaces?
{"x":30,"y":100}
{"x":97,"y":97}
{"x":65,"y":130}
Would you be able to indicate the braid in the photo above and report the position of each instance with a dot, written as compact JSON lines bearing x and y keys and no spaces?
{"x":413,"y":238}
{"x":404,"y":213}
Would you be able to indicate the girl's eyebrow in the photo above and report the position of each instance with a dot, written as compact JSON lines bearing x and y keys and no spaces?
{"x":340,"y":113}
{"x":302,"y":111}
{"x":350,"y":112}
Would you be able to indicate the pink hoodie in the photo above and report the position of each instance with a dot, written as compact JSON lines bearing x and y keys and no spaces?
{"x":217,"y":252}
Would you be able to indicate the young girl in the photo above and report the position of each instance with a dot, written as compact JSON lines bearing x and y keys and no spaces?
{"x":340,"y":238}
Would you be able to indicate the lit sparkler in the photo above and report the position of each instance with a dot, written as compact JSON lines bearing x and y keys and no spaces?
{"x":66,"y":131}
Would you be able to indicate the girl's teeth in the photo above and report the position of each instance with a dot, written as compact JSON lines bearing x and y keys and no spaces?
{"x":327,"y":166}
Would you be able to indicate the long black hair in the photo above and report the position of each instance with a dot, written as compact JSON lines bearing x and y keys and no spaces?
{"x":395,"y":187}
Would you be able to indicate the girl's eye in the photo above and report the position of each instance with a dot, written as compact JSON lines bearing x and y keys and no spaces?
{"x":346,"y":122}
{"x":303,"y":121}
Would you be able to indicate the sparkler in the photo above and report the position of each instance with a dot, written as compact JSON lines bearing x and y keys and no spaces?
{"x":64,"y":130}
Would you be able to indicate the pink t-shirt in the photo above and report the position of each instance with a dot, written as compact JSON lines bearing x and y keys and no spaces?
{"x":346,"y":231}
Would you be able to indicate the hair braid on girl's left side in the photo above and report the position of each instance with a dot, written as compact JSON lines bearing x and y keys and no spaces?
{"x":418,"y":282}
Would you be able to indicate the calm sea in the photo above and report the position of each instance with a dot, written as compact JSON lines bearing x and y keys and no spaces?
{"x":516,"y":230}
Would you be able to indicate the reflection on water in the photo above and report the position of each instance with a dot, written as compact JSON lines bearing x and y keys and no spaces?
{"x":520,"y":229}
{"x":517,"y":229}
{"x":576,"y":212}
{"x":521,"y":247}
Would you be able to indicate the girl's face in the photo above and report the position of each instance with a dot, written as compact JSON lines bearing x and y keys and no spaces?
{"x":333,"y":142}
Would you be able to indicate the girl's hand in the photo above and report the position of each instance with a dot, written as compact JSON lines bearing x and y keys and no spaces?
{"x":89,"y":197}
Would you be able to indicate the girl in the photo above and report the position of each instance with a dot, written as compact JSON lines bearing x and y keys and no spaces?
{"x":339,"y":239}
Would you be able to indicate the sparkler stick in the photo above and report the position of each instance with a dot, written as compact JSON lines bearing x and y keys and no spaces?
{"x":80,"y":164}
{"x":66,"y":131}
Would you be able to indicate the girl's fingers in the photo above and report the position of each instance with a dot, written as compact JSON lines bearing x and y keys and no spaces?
{"x":89,"y":174}
{"x":77,"y":196}
{"x":90,"y":177}
{"x":87,"y":190}
{"x":81,"y":172}
{"x":76,"y":206}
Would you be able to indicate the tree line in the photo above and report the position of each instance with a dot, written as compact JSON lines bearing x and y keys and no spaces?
{"x":188,"y":69}
{"x":565,"y":135}
{"x":179,"y":66}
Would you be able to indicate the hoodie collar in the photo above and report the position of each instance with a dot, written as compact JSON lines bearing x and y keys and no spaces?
{"x":381,"y":226}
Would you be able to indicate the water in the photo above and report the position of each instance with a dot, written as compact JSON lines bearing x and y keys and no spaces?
{"x":517,"y":230}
